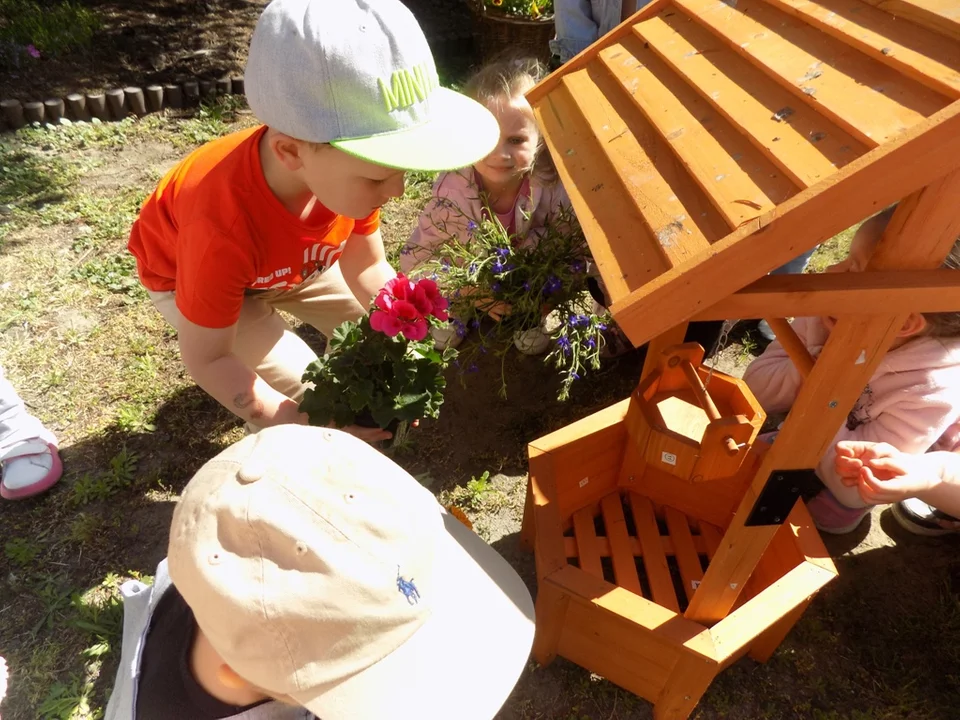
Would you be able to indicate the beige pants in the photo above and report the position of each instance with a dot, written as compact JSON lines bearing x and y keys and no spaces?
{"x":265,"y":343}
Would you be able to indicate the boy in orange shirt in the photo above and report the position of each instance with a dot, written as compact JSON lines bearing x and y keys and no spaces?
{"x":286,"y":216}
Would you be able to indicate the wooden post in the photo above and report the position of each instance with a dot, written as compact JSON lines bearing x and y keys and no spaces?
{"x":154,"y":98}
{"x":191,"y":92}
{"x":920,"y":235}
{"x":136,"y":101}
{"x":792,"y":344}
{"x":528,"y":528}
{"x":33,"y":112}
{"x":97,"y":106}
{"x":173,"y":96}
{"x":551,"y":610}
{"x":13,"y":113}
{"x":673,"y":336}
{"x":208,"y":90}
{"x":223,"y":86}
{"x":53,"y":110}
{"x":237,"y":85}
{"x":116,"y":101}
{"x":77,"y":105}
{"x":688,"y":681}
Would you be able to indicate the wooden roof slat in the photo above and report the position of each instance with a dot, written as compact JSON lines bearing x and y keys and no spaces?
{"x":604,"y":210}
{"x":871,"y":101}
{"x":738,"y":179}
{"x":675,"y":212}
{"x":804,"y":144}
{"x":942,"y":16}
{"x":881,"y":177}
{"x":922,"y":54}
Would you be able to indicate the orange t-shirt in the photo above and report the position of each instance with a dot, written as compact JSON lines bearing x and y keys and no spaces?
{"x":212,"y":230}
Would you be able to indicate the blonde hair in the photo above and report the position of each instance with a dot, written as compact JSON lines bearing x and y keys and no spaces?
{"x":507,"y":76}
{"x":940,"y":324}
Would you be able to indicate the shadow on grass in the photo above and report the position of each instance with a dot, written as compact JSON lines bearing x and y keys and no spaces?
{"x":107,"y":519}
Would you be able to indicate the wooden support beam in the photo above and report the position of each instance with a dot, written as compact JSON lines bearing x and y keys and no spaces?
{"x":792,"y":343}
{"x":921,"y":234}
{"x":816,"y":294}
{"x":919,"y":156}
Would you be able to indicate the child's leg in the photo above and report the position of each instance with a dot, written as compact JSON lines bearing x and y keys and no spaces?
{"x":324,"y":302}
{"x":265,"y":343}
{"x":28,"y":450}
{"x":576,"y":27}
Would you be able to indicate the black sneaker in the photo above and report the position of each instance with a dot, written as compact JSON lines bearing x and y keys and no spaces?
{"x":917,"y":517}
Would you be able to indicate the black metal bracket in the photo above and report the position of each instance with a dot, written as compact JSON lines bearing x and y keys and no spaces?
{"x":779,"y":495}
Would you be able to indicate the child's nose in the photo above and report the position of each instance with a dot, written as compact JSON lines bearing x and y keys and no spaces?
{"x":397,"y":186}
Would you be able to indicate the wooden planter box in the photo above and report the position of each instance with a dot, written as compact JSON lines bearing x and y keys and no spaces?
{"x":626,"y":510}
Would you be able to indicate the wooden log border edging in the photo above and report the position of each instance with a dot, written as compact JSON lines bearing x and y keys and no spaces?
{"x":116,"y":103}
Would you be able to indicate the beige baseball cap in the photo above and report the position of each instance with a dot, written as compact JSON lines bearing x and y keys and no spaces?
{"x":321,"y":571}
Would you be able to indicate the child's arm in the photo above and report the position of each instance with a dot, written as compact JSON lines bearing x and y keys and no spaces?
{"x":364,"y":266}
{"x":882,"y":474}
{"x":911,"y":424}
{"x":444,"y":217}
{"x":773,"y":378}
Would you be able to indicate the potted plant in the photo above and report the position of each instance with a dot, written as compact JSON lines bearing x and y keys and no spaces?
{"x":523,"y":284}
{"x":522,"y":25}
{"x":383,"y":371}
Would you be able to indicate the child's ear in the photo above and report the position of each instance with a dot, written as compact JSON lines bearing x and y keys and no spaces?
{"x":288,"y":151}
{"x":913,"y":325}
{"x":228,"y":678}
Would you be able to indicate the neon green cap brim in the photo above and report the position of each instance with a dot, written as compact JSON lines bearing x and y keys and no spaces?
{"x":459,"y":133}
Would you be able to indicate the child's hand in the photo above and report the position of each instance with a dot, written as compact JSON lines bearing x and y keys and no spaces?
{"x":882,"y":474}
{"x":497,"y":309}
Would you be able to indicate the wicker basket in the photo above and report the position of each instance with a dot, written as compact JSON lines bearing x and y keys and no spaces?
{"x":496,"y":33}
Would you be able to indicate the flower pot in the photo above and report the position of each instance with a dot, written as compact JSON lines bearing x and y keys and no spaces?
{"x":398,"y":428}
{"x":534,"y":341}
{"x":495,"y":31}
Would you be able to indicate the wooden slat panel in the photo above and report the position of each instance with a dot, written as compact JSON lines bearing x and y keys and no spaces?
{"x":636,"y":549}
{"x":711,"y":538}
{"x":925,"y":56}
{"x":941,"y":16}
{"x":691,"y":571}
{"x":706,"y":145}
{"x":674,"y":211}
{"x":621,"y":552}
{"x":923,"y":154}
{"x":601,"y":643}
{"x":804,"y":145}
{"x":610,"y":218}
{"x":586,"y":457}
{"x":587,"y":548}
{"x":871,"y":101}
{"x":654,"y":559}
{"x":866,"y":293}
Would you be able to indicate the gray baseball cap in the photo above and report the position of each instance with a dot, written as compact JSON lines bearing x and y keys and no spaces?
{"x":358,"y":74}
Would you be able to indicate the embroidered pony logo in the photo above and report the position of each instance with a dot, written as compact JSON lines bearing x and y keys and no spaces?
{"x":408,"y":589}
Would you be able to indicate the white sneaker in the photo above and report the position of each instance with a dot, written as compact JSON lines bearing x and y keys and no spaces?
{"x":29,"y":469}
{"x":764,"y":329}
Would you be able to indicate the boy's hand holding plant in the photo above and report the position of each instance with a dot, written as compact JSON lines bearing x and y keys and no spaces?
{"x":383,"y":371}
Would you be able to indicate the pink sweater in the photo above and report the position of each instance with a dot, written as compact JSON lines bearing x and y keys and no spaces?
{"x":456,"y":203}
{"x":912,"y":401}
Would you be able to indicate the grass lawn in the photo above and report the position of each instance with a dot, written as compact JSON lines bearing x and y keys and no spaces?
{"x":97,"y":364}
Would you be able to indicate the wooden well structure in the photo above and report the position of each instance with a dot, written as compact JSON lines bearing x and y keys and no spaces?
{"x":705,"y":143}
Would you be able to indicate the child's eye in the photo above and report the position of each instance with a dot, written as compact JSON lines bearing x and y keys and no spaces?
{"x":517,"y":140}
